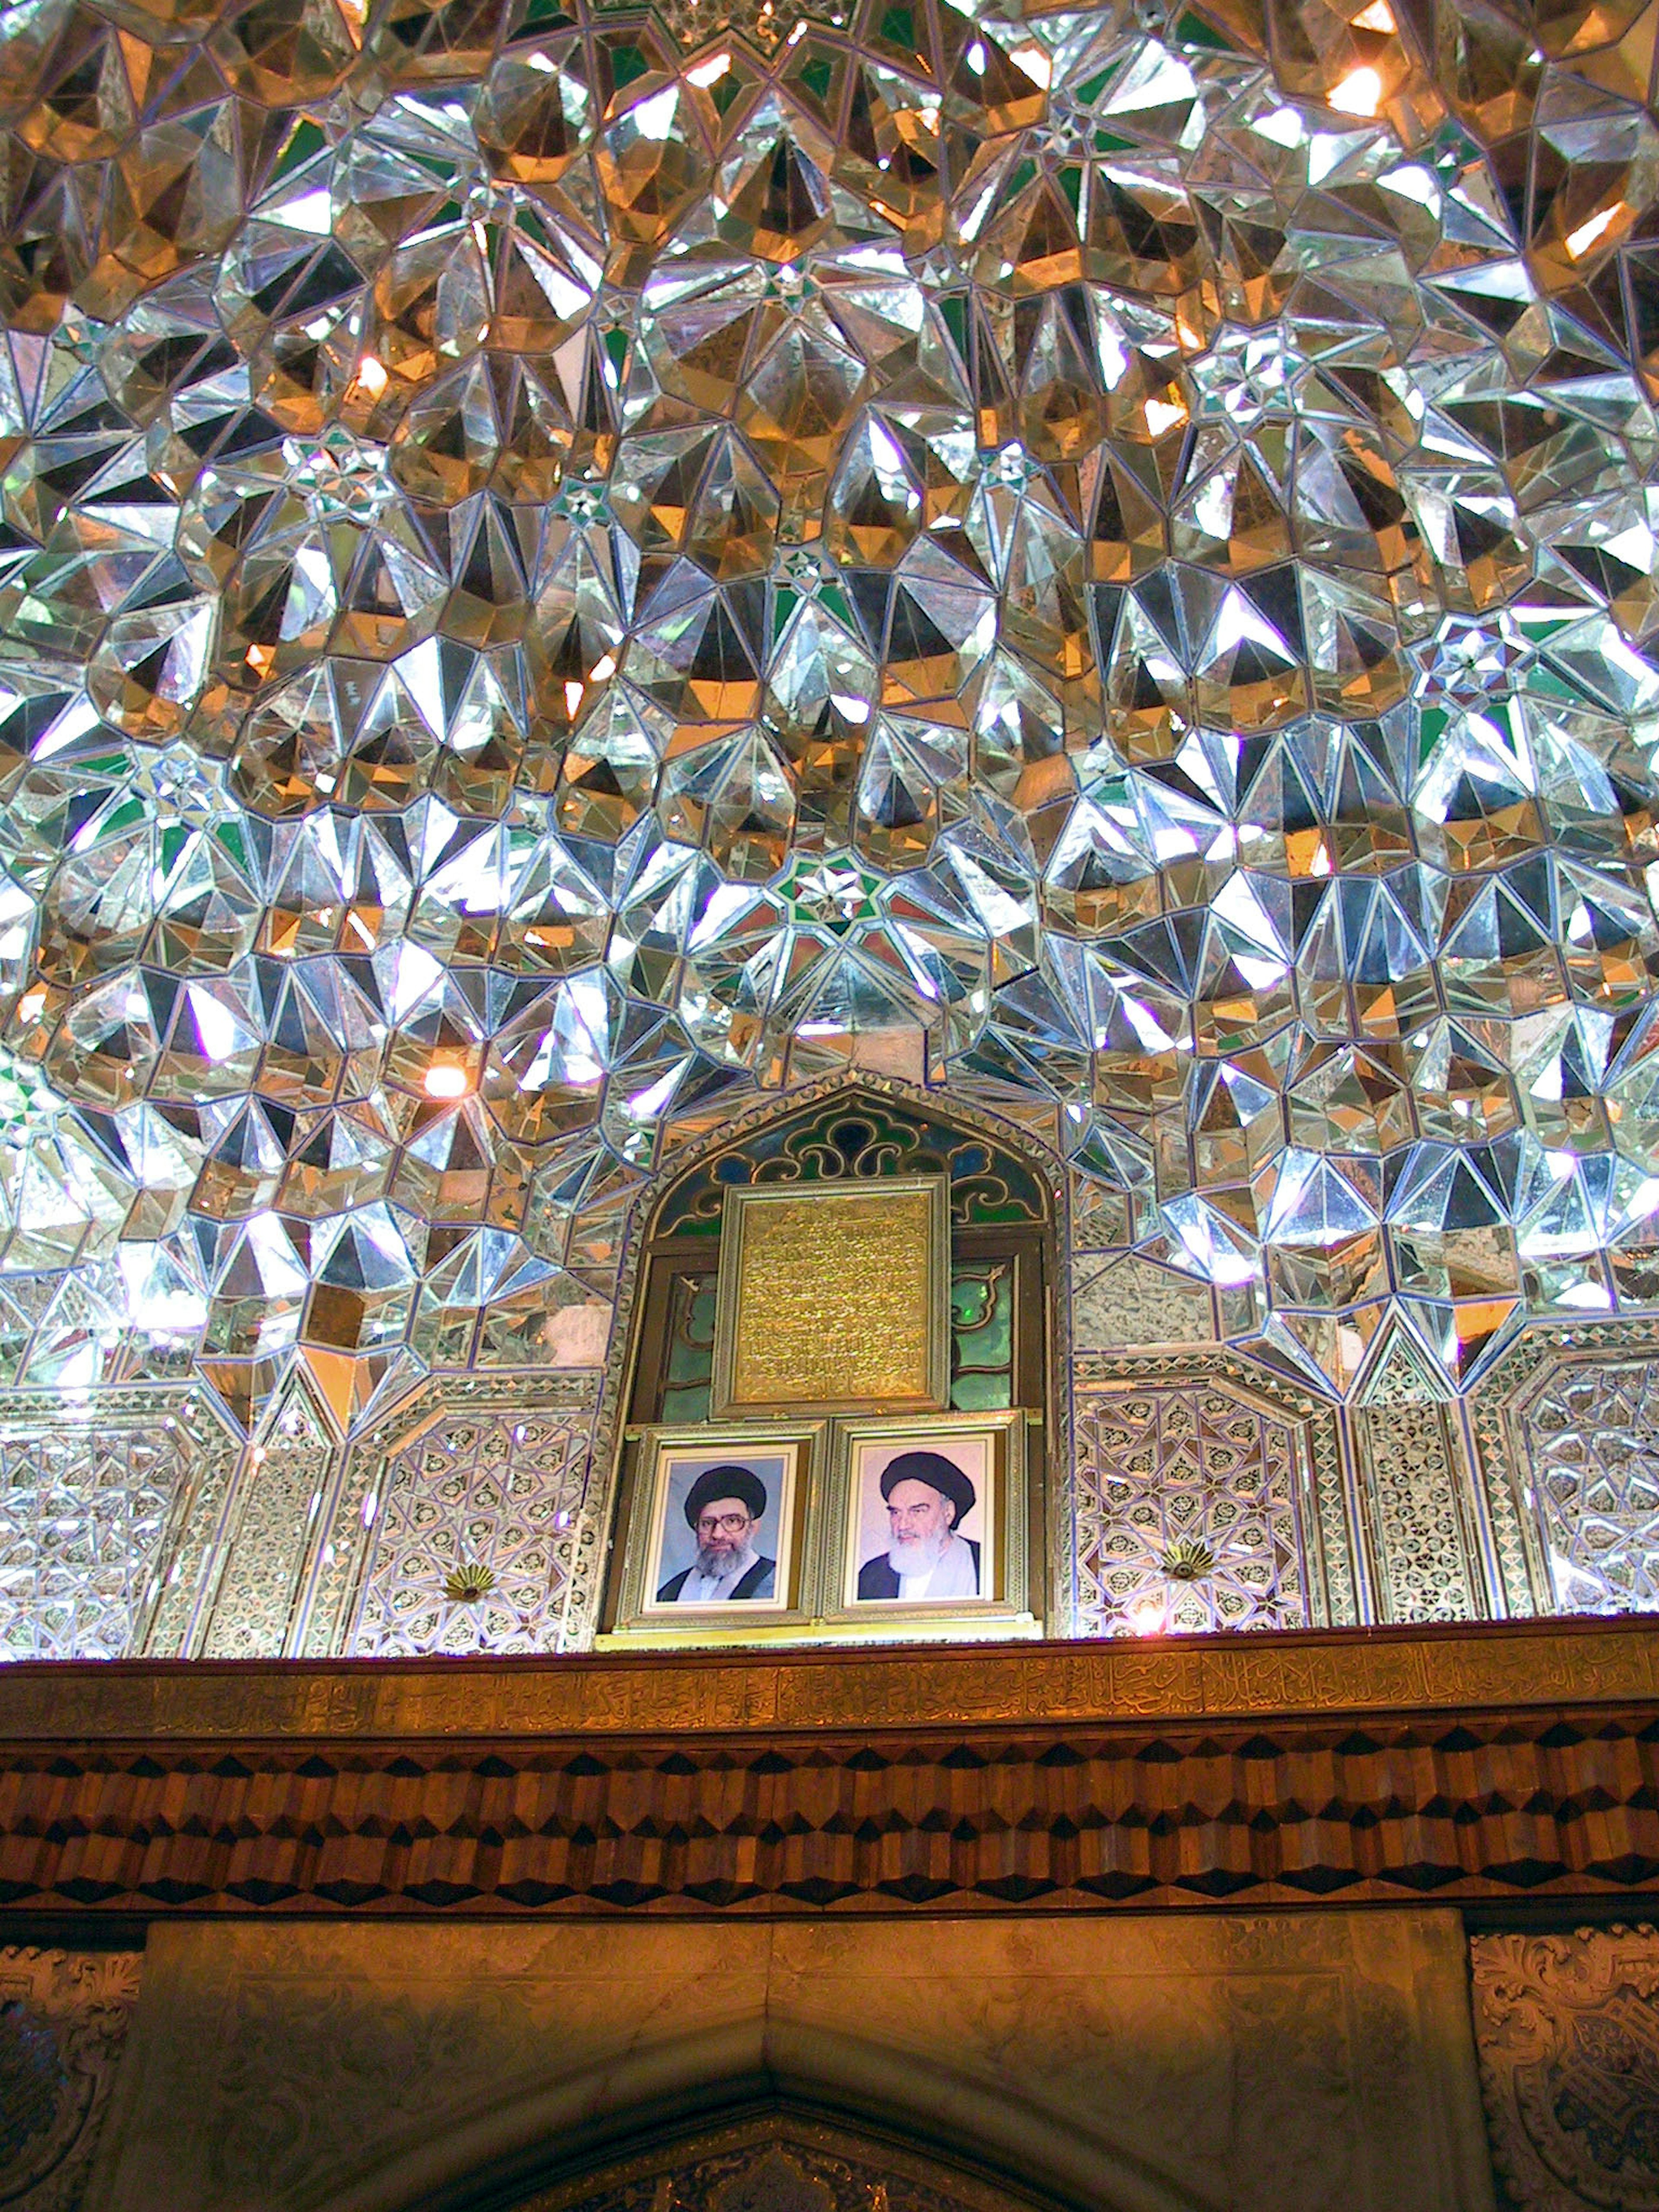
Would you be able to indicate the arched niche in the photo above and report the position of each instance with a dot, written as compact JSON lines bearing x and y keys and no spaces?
{"x":780,"y":2161}
{"x":1002,"y":1256}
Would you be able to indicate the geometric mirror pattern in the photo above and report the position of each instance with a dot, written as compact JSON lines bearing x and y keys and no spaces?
{"x":1594,"y":1485}
{"x":557,"y":565}
{"x":1189,"y":1514}
{"x":465,"y":1549}
{"x":564,"y":569}
{"x":83,"y":1520}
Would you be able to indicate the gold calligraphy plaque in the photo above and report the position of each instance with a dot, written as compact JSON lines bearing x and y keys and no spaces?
{"x":832,"y":1298}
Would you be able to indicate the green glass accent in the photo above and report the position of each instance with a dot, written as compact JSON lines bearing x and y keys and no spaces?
{"x":305,"y":142}
{"x":981,"y":1393}
{"x":982,"y":1336}
{"x":859,"y":1141}
{"x":1192,"y":30}
{"x":627,"y":63}
{"x":833,"y":893}
{"x":690,"y":1367}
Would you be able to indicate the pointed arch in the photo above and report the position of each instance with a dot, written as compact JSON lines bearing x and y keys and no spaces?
{"x":856,"y":1089}
{"x":604,"y":2136}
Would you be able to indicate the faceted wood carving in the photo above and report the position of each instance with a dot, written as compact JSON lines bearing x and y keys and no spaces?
{"x":1455,"y":1764}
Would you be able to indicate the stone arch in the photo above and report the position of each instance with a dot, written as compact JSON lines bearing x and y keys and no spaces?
{"x":949,"y":2138}
{"x":590,"y":1550}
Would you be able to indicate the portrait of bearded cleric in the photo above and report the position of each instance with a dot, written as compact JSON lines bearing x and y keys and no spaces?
{"x":721,"y":1536}
{"x":922,"y":1521}
{"x":724,"y":1510}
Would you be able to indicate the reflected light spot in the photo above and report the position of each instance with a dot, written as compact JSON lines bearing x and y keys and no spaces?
{"x":1579,"y":241}
{"x":1360,"y":93}
{"x":445,"y":1080}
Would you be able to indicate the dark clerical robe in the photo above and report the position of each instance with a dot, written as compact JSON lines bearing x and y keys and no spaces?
{"x":757,"y":1582}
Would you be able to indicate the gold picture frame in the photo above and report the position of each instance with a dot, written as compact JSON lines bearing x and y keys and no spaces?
{"x":988,"y":1451}
{"x":834,"y":1298}
{"x":656,"y":1602}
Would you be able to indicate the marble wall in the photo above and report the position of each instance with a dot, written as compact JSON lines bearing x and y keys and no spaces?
{"x":1285,"y":2062}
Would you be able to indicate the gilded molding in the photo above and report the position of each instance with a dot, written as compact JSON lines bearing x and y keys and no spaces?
{"x":1519,"y":1667}
{"x":766,"y":1791}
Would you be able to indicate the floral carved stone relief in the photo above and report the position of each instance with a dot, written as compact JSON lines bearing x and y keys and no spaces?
{"x":778,"y":2163}
{"x":1568,"y":2029}
{"x":63,"y":2021}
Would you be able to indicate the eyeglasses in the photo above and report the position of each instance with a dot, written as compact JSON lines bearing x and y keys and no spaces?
{"x":729,"y":1524}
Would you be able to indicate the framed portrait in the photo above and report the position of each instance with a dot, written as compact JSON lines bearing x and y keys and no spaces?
{"x":715,"y":1546}
{"x":929,"y":1524}
{"x":834,"y":1298}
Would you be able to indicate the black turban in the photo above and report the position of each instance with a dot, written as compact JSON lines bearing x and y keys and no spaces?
{"x":939,"y":1473}
{"x":726,"y":1482}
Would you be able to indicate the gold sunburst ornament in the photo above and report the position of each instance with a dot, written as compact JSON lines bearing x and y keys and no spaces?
{"x":471,"y":1583}
{"x":1187,"y":1561}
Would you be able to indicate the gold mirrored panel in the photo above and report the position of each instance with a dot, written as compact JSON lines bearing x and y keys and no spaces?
{"x":834,"y":1299}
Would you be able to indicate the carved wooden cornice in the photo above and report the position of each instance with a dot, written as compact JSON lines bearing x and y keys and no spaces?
{"x":1460,"y":1763}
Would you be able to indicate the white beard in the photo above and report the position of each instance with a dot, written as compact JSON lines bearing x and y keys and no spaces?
{"x":920,"y":1555}
{"x":947,"y":1558}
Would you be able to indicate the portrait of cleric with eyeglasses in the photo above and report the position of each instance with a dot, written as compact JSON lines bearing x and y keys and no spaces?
{"x":724,"y":1508}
